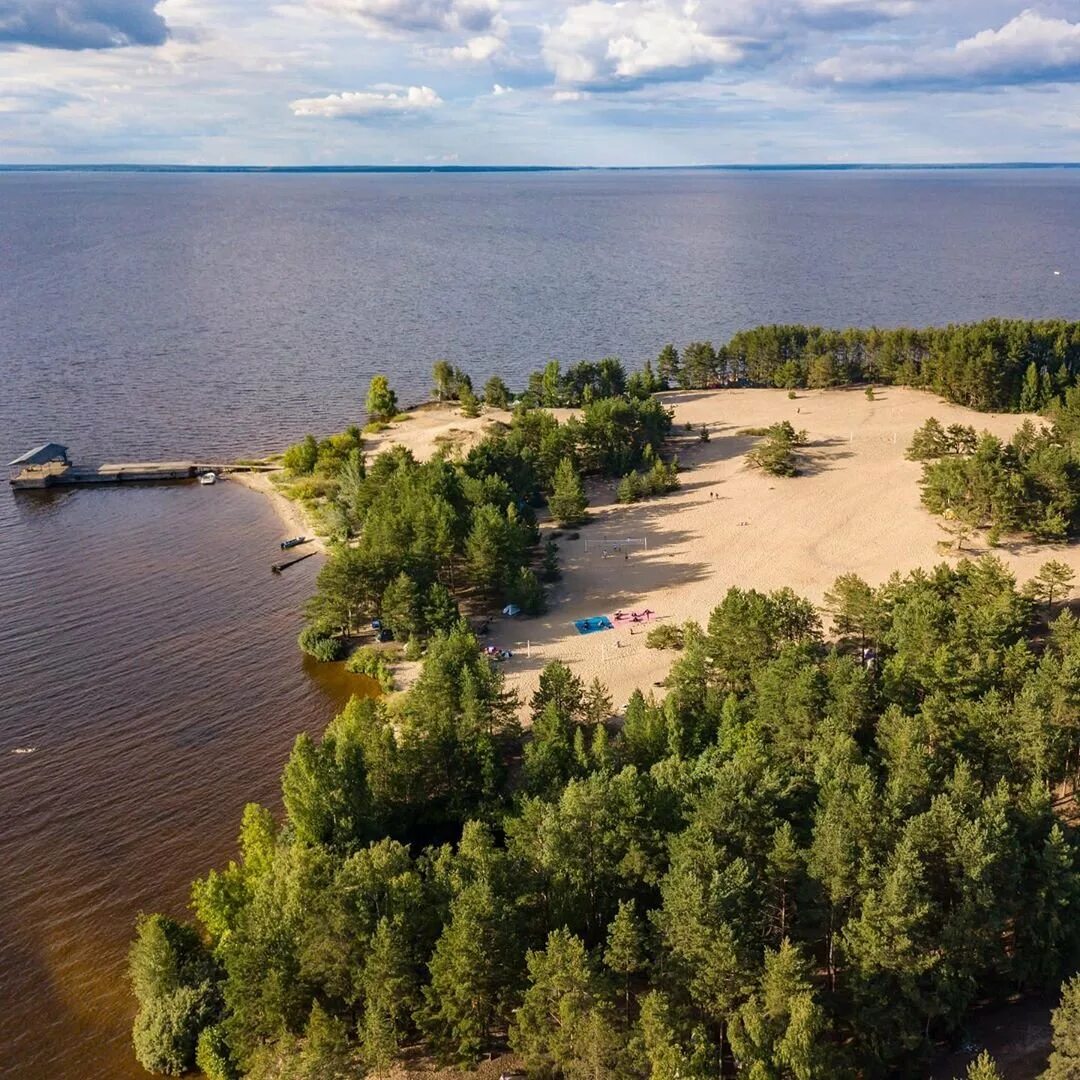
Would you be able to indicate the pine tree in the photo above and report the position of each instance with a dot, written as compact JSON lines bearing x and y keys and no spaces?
{"x":567,"y":501}
{"x":400,"y":609}
{"x":472,"y":969}
{"x":983,"y":1068}
{"x":668,"y":366}
{"x":625,"y":952}
{"x":1030,"y":390}
{"x":1054,"y":579}
{"x":496,"y":393}
{"x":1064,"y":1063}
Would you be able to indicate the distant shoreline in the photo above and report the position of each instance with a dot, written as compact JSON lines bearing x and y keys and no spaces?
{"x":455,"y":169}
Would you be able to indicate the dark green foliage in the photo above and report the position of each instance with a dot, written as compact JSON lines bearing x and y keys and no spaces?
{"x":813,"y":859}
{"x":496,"y":394}
{"x":374,"y":664}
{"x":175,"y":983}
{"x":320,"y":644}
{"x":664,"y":636}
{"x":658,"y":480}
{"x":1030,"y":484}
{"x":775,"y":454}
{"x":987,"y":365}
{"x":567,"y":501}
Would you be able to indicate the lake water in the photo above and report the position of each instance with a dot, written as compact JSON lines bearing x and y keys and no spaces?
{"x":145,"y":650}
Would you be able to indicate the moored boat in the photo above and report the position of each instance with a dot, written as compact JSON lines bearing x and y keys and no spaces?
{"x":296,"y":541}
{"x":208,"y":478}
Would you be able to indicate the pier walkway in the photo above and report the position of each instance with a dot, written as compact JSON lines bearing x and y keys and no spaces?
{"x":48,"y":466}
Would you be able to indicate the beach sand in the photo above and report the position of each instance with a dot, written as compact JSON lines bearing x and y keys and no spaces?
{"x":294,"y":518}
{"x":853,"y":508}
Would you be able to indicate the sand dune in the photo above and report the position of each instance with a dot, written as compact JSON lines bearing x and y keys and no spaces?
{"x":854,"y":507}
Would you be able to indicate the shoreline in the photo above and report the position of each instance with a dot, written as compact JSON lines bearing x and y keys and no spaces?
{"x":291,"y":514}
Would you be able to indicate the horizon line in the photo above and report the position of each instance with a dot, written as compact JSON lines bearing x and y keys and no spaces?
{"x":467,"y":168}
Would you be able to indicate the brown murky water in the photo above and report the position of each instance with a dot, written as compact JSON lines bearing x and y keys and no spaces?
{"x":148,"y":657}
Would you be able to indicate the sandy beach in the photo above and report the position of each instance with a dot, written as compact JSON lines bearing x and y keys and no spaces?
{"x":294,"y":518}
{"x":853,"y":508}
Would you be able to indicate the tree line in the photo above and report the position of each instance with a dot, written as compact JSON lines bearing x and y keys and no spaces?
{"x":809,"y":858}
{"x":996,"y":365}
{"x":1029,"y":484}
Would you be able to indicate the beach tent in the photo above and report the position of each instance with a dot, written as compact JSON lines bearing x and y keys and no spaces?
{"x":511,"y":609}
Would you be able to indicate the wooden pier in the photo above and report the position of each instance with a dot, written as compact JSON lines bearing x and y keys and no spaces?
{"x":47,"y":467}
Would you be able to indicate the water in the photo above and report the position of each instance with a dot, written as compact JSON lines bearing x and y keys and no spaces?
{"x":145,"y":650}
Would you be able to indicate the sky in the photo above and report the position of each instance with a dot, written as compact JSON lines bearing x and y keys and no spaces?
{"x":518,"y":82}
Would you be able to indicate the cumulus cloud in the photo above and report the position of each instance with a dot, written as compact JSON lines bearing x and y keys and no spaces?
{"x":475,"y":51}
{"x":396,"y":17}
{"x":1030,"y":48}
{"x":361,"y":104}
{"x":81,"y":24}
{"x":622,"y":44}
{"x":497,"y":90}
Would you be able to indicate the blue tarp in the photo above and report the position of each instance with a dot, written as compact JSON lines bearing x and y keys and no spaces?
{"x":590,"y":626}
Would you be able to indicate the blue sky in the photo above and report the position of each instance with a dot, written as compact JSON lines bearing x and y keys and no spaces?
{"x":592,"y":82}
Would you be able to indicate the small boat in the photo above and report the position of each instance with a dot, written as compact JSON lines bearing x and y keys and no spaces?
{"x":296,"y":541}
{"x":208,"y":478}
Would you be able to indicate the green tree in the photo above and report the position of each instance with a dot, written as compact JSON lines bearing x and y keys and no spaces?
{"x":668,"y":365}
{"x":401,"y":609}
{"x":556,"y":1024}
{"x":1064,"y":1063}
{"x":778,"y":1031}
{"x":381,"y":400}
{"x":625,"y":951}
{"x":496,"y":393}
{"x":174,"y":981}
{"x":473,"y":969}
{"x":442,"y":376}
{"x":983,"y":1068}
{"x":567,"y":501}
{"x":1054,"y":579}
{"x":300,"y":458}
{"x":856,"y":611}
{"x":928,"y":442}
{"x":212,"y":1056}
{"x":470,"y":404}
{"x":1031,"y":390}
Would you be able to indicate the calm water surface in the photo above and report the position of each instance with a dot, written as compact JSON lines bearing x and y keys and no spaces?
{"x":145,"y":650}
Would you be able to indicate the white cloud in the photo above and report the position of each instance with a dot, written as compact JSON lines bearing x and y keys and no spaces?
{"x":563,"y":96}
{"x":476,"y":50}
{"x":498,"y":91}
{"x":363,"y":103}
{"x":1030,"y":48}
{"x":608,"y":44}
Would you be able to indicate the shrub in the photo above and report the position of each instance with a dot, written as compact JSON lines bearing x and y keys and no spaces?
{"x":668,"y":636}
{"x":318,"y":642}
{"x":167,"y":1028}
{"x":372,"y":663}
{"x":629,"y":489}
